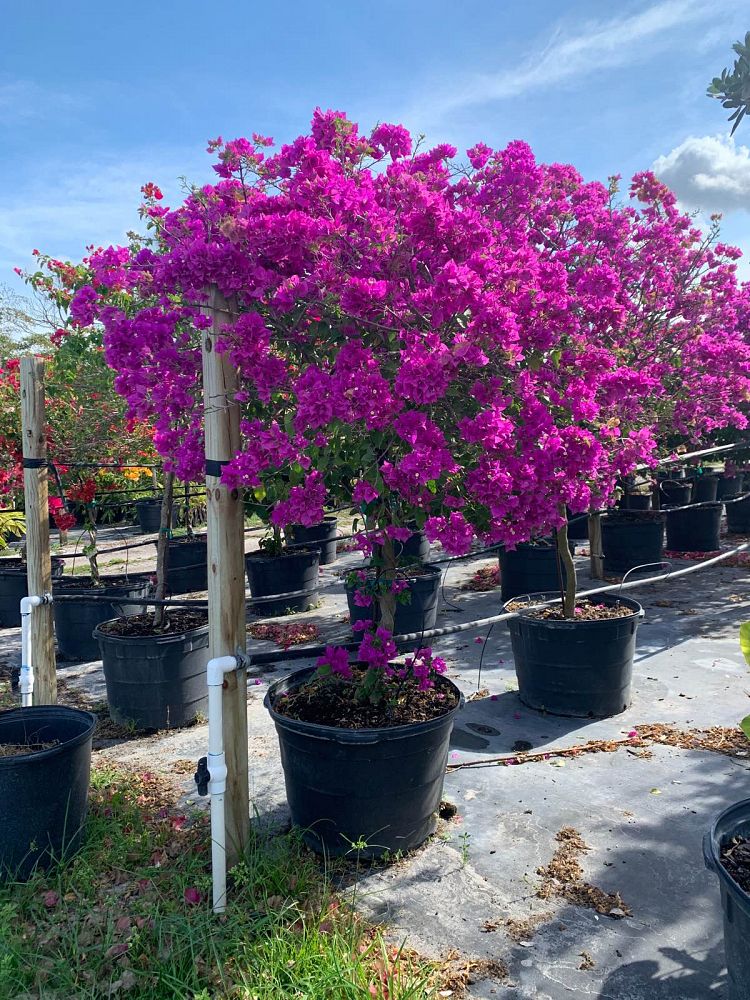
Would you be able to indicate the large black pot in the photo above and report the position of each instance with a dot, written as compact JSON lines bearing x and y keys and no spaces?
{"x":416,"y":549}
{"x":730,"y":486}
{"x":675,"y":494}
{"x":705,"y":488}
{"x":735,"y":902}
{"x":528,"y":569}
{"x":44,"y":795}
{"x":285,"y":574}
{"x":738,"y":516}
{"x":578,"y":527}
{"x":148,"y":512}
{"x":694,"y":529}
{"x":322,"y":536}
{"x":187,"y":568}
{"x":76,"y":619}
{"x":632,"y":538}
{"x":417,"y":615}
{"x":13,"y":587}
{"x":155,"y":682}
{"x":343,"y":786}
{"x":636,"y":501}
{"x":576,"y":668}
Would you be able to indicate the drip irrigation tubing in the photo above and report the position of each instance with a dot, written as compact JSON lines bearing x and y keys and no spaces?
{"x":86,"y":597}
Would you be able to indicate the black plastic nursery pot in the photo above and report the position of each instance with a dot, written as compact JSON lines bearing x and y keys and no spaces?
{"x":13,"y":587}
{"x":296,"y":570}
{"x":45,"y":794}
{"x":738,"y":516}
{"x":578,"y":527}
{"x":416,"y":549}
{"x":705,"y":488}
{"x":735,"y":902}
{"x":155,"y":682}
{"x":637,"y":501}
{"x":187,"y":569}
{"x":528,"y":569}
{"x":575,"y":668}
{"x":148,"y":512}
{"x":322,"y":535}
{"x":75,"y":620}
{"x":632,"y":538}
{"x":674,"y":494}
{"x":381,"y":786}
{"x":417,"y":615}
{"x":694,"y":529}
{"x":730,"y":486}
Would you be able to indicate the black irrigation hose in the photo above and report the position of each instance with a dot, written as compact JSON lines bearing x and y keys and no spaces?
{"x":147,"y":602}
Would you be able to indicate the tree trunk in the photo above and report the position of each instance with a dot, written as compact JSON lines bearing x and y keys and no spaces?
{"x":387,"y":601}
{"x":162,"y":548}
{"x":566,"y":560}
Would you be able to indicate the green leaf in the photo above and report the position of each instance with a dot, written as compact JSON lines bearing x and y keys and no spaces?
{"x":745,"y":726}
{"x":745,"y":641}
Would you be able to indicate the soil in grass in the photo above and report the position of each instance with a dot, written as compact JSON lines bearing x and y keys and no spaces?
{"x":329,"y":701}
{"x":735,"y":857}
{"x":19,"y":749}
{"x":586,"y":611}
{"x":176,"y":622}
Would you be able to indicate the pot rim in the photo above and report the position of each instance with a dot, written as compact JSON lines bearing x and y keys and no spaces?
{"x":712,"y":843}
{"x":341,"y":734}
{"x":106,"y":590}
{"x":637,"y":612}
{"x":166,"y":638}
{"x":40,"y":711}
{"x":434,"y":569}
{"x":260,"y":556}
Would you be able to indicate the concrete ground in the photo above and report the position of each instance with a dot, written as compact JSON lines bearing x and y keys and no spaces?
{"x":641,"y":815}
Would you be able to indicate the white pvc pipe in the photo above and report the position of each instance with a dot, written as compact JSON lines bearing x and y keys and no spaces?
{"x":27,"y":664}
{"x":217,"y":769}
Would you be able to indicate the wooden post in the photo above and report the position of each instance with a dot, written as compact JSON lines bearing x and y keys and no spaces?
{"x":226,"y":565}
{"x":595,"y":546}
{"x":36,"y":500}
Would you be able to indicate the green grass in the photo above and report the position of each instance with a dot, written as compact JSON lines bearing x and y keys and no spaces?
{"x":130,"y":917}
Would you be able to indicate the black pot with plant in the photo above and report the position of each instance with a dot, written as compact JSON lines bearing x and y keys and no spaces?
{"x":574,"y":656}
{"x":45,"y":760}
{"x":416,"y":589}
{"x":155,"y":662}
{"x":364,"y":750}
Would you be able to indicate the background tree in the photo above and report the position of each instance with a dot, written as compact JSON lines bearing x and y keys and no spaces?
{"x":732,"y":88}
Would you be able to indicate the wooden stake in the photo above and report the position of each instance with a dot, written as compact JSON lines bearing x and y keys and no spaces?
{"x":36,"y":500}
{"x":226,"y":565}
{"x":595,"y":546}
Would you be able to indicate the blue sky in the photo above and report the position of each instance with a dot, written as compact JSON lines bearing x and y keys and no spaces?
{"x":97,"y":99}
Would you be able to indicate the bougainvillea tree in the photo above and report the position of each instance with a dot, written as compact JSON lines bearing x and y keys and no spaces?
{"x":469,"y":347}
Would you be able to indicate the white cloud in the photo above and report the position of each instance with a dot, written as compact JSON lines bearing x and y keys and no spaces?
{"x":68,"y":205}
{"x":710,"y":173}
{"x":591,"y":47}
{"x":23,"y":100}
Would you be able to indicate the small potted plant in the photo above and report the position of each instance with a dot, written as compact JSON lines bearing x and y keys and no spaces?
{"x":76,"y":615}
{"x":155,"y":662}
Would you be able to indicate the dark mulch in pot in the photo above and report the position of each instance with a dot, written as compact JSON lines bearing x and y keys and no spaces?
{"x":86,"y":583}
{"x":586,"y":611}
{"x":330,"y":701}
{"x":175,"y":623}
{"x":404,"y":571}
{"x":735,"y":856}
{"x":17,"y":749}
